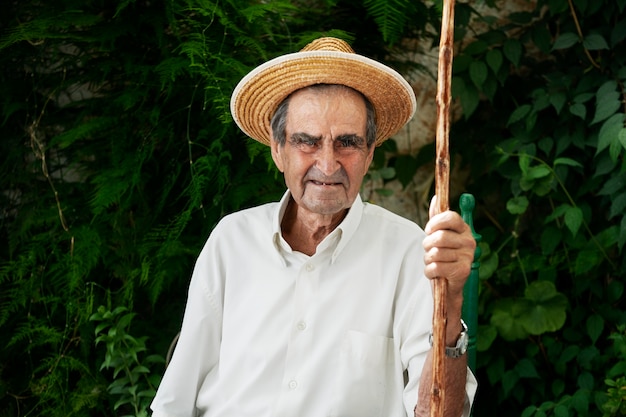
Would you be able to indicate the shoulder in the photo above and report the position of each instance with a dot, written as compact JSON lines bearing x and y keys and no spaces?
{"x":383,"y":218}
{"x":258,"y":215}
{"x":243,"y":228}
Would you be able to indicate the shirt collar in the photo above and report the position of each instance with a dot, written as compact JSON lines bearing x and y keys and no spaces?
{"x":338,"y":238}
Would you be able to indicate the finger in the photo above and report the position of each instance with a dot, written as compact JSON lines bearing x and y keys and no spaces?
{"x":439,"y":254}
{"x":448,"y":220}
{"x":455,"y":275}
{"x":452,"y":264}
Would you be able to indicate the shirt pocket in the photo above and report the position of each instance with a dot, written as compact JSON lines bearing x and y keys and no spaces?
{"x":363,"y":375}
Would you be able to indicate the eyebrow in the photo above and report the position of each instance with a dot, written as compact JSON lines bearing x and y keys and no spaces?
{"x":356,"y":139}
{"x":305,"y":137}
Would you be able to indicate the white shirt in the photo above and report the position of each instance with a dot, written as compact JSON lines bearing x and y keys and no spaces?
{"x":270,"y":332}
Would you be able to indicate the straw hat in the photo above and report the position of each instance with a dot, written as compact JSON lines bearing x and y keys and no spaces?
{"x":323,"y":61}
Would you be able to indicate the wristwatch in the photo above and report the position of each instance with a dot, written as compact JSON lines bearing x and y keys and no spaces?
{"x":461,"y":343}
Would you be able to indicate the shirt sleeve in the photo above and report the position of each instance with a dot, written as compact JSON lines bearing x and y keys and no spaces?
{"x":413,"y":323}
{"x":415,"y":352}
{"x":197,"y":350}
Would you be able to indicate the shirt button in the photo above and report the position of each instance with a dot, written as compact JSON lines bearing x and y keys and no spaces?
{"x":293,"y":385}
{"x":301,"y":325}
{"x":309,"y":267}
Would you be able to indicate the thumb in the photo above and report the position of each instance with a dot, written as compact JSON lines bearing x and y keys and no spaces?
{"x":432,"y":209}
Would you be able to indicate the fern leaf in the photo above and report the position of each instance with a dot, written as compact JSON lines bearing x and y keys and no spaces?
{"x":85,"y":130}
{"x":390,"y":16}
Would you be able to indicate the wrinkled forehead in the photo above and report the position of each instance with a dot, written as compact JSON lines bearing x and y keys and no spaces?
{"x":320,"y":112}
{"x":330,"y":89}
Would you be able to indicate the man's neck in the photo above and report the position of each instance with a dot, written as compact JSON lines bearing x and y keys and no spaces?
{"x":304,"y":230}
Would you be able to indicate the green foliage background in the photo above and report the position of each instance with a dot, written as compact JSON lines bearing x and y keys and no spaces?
{"x":119,"y":155}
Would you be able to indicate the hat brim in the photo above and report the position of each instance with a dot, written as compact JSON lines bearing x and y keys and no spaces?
{"x":258,"y":94}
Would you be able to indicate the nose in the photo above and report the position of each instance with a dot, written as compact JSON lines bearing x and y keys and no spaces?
{"x":328,"y":158}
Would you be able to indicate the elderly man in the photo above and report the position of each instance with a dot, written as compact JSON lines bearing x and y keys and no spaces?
{"x":319,"y":305}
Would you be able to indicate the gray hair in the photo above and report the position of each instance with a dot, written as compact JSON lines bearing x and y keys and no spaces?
{"x":279,"y":119}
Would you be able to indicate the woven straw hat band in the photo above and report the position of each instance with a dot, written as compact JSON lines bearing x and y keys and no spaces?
{"x":323,"y":61}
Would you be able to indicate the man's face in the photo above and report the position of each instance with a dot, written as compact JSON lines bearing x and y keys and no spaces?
{"x":325,"y":156}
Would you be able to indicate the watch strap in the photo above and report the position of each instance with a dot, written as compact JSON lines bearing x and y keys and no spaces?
{"x":461,"y":344}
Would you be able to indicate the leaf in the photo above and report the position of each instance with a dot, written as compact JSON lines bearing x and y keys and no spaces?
{"x":614,"y":291}
{"x":578,"y":109}
{"x":513,"y":51}
{"x":122,"y":401}
{"x":519,"y":113}
{"x":544,"y":310}
{"x":546,"y":145}
{"x":517,"y":205}
{"x":542,"y":38}
{"x":387,"y":173}
{"x":618,"y":205}
{"x":618,"y":33}
{"x":595,"y":326}
{"x":384,"y":192}
{"x":490,"y":88}
{"x":489,"y":261}
{"x":580,"y":400}
{"x":588,"y":356}
{"x":476,"y":47}
{"x":583,"y":97}
{"x":558,"y":100}
{"x":561,"y":411}
{"x":607,"y":102}
{"x":609,"y":132}
{"x":616,"y":150}
{"x":586,"y":381}
{"x":607,"y":237}
{"x":478,"y":73}
{"x":529,"y":411}
{"x":567,"y":161}
{"x":569,"y":353}
{"x":526,"y":369}
{"x":586,"y":260}
{"x":509,"y":380}
{"x":604,"y":166}
{"x":573,"y":219}
{"x":469,"y":100}
{"x":87,"y":129}
{"x":607,"y":88}
{"x":486,"y":335}
{"x":558,"y":386}
{"x":494,"y":60}
{"x":538,"y":171}
{"x":550,"y":238}
{"x":505,"y":318}
{"x":595,"y":42}
{"x":140,"y":369}
{"x":390,"y":17}
{"x":621,"y":136}
{"x":541,"y":99}
{"x":565,"y":40}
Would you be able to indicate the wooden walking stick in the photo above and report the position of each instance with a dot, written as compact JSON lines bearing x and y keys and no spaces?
{"x":442,"y":180}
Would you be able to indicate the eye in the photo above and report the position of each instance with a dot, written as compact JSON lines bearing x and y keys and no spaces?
{"x":308,"y":141}
{"x":349,"y":141}
{"x":305,"y":142}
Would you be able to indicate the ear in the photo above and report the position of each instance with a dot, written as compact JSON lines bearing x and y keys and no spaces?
{"x":276,"y":150}
{"x":370,"y":156}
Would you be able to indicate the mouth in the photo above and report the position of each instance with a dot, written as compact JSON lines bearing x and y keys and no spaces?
{"x":325,"y":184}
